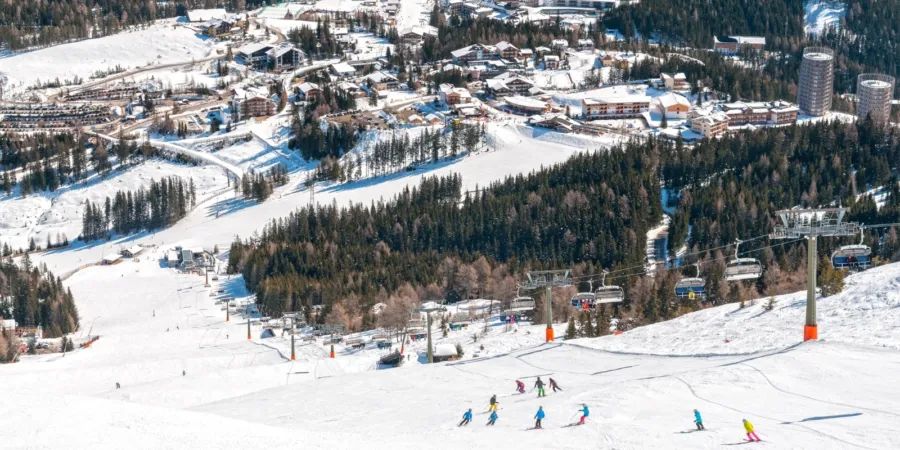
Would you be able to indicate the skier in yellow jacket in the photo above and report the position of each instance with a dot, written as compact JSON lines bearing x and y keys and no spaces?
{"x":751,"y":435}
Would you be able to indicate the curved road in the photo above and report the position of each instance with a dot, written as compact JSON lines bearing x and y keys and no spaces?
{"x":202,"y":156}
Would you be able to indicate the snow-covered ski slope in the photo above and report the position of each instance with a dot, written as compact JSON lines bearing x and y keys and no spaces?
{"x":837,"y":393}
{"x":822,"y":14}
{"x":161,"y":43}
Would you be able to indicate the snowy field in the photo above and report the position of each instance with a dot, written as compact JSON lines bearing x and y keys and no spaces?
{"x":164,"y":42}
{"x":44,"y":214}
{"x":191,"y":380}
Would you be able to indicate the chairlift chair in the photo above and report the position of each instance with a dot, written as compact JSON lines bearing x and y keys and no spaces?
{"x":585,"y":298}
{"x":521,"y":303}
{"x":695,"y":285}
{"x":608,"y":294}
{"x":852,"y":256}
{"x":742,"y":268}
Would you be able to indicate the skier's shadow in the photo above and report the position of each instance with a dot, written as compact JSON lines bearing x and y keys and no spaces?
{"x":836,"y":416}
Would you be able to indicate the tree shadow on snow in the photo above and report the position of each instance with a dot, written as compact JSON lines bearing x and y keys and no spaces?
{"x":228,"y":206}
{"x":375,"y":180}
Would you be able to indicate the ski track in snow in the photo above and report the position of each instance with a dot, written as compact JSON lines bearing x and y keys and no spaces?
{"x":341,"y":403}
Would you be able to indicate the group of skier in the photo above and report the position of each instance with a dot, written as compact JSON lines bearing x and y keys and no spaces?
{"x":539,"y":385}
{"x":494,"y":405}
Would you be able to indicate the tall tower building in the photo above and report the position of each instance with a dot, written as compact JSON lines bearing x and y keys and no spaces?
{"x":816,"y":81}
{"x":874,"y":92}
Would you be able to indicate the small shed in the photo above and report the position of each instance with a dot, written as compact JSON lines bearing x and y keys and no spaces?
{"x":445,"y":352}
{"x":132,"y":251}
{"x":111,"y":259}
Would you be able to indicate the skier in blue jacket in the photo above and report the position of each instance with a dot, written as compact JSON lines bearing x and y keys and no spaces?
{"x":698,"y":420}
{"x":585,"y":412}
{"x":467,"y":417}
{"x":492,"y":418}
{"x":539,"y":416}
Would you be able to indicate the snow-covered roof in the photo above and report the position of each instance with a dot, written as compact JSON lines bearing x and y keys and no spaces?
{"x":496,"y":84}
{"x":250,"y":49}
{"x":381,"y":77}
{"x":306,"y":87}
{"x":172,"y":255}
{"x":671,"y":99}
{"x":617,"y":99}
{"x":415,"y":118}
{"x":135,"y":249}
{"x":503,"y":46}
{"x":343,"y":68}
{"x":712,"y":118}
{"x":551,"y":58}
{"x":112,"y":257}
{"x":281,"y":50}
{"x":525,"y":102}
{"x":421,"y":30}
{"x":463,"y":51}
{"x":445,"y":350}
{"x":203,"y":15}
{"x":678,"y":76}
{"x":745,"y":40}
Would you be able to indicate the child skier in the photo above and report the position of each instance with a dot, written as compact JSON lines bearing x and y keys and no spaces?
{"x":539,"y":416}
{"x":554,"y":386}
{"x":467,"y":417}
{"x":748,"y":427}
{"x":540,"y":387}
{"x":494,"y":404}
{"x":492,"y":419}
{"x":520,"y":387}
{"x":698,"y":420}
{"x":585,"y":412}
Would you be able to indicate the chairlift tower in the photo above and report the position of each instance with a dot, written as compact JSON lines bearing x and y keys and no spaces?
{"x":812,"y":223}
{"x":332,"y":329}
{"x":439,"y":308}
{"x":548,"y":279}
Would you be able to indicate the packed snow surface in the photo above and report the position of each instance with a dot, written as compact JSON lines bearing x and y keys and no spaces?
{"x":192,"y":380}
{"x":821,"y":14}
